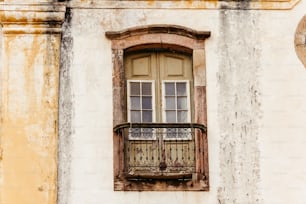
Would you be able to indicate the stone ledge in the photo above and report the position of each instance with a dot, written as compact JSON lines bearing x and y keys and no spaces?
{"x":32,"y":18}
{"x":54,"y":7}
{"x":177,"y":4}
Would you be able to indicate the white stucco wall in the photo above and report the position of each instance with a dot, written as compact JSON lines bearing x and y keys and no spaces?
{"x":282,"y":135}
{"x":255,"y":95}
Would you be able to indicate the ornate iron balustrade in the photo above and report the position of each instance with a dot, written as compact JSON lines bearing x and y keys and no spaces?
{"x":160,"y":150}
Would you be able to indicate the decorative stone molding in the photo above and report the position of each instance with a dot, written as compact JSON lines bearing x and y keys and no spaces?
{"x":300,"y":40}
{"x":151,"y":29}
{"x":42,"y":18}
{"x":164,"y":36}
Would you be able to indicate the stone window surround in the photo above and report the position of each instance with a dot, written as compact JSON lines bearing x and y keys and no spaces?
{"x":169,"y":37}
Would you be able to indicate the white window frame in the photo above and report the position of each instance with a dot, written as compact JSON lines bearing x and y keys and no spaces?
{"x":129,"y":106}
{"x":164,"y":105}
{"x":164,"y":101}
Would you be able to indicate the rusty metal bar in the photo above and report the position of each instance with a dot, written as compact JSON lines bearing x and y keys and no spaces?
{"x":121,"y":126}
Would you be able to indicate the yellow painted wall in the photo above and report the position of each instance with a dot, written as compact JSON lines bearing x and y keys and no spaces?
{"x":29,"y":102}
{"x":29,"y":115}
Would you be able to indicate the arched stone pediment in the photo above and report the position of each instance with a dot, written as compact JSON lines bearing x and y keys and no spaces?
{"x":158,"y":34}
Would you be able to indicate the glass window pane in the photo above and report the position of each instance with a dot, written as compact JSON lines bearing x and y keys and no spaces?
{"x":170,"y":103}
{"x":182,"y":116}
{"x":181,"y":88}
{"x":169,"y":87}
{"x":182,"y":103}
{"x":146,"y":89}
{"x":135,"y":117}
{"x":135,"y":102}
{"x":171,"y":116}
{"x":146,"y":116}
{"x":146,"y":102}
{"x":135,"y":88}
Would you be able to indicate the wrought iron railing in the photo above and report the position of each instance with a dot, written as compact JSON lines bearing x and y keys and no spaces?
{"x":160,"y":150}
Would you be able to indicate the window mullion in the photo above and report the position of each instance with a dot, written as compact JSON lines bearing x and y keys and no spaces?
{"x":140,"y":96}
{"x":176,"y":109}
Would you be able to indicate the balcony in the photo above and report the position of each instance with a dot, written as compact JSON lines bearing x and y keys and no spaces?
{"x":161,"y":151}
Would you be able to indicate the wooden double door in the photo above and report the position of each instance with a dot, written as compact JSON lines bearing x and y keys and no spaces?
{"x":159,"y":90}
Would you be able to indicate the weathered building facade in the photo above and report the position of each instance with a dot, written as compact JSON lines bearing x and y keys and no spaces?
{"x":230,"y":73}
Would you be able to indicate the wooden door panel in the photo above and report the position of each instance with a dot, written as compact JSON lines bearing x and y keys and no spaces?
{"x":175,"y":67}
{"x":141,"y":66}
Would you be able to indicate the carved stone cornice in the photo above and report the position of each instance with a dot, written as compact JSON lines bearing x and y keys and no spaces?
{"x":40,"y":18}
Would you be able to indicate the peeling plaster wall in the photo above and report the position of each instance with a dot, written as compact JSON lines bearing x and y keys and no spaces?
{"x":30,"y":41}
{"x":255,"y":98}
{"x":29,"y":119}
{"x":239,"y":105}
{"x":66,"y":113}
